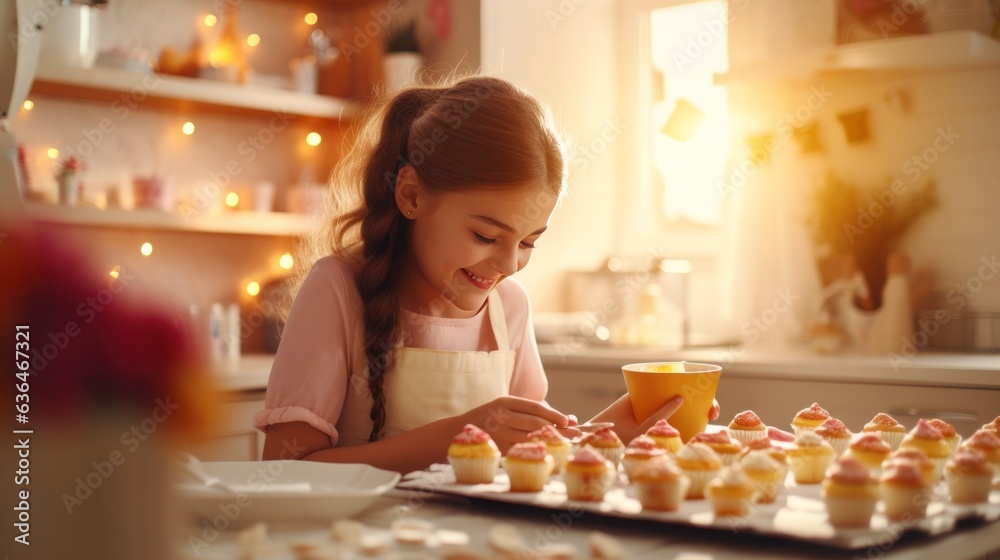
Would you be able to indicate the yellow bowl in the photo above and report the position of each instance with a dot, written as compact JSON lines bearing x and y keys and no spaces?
{"x":651,"y":385}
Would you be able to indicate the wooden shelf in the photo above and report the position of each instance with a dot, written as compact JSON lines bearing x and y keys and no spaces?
{"x":239,"y":223}
{"x":126,"y":87}
{"x":934,"y":52}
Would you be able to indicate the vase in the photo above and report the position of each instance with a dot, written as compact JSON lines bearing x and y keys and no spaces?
{"x":69,"y":187}
{"x":400,"y":69}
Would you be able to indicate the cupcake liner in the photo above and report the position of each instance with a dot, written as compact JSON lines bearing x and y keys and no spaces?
{"x":662,"y":496}
{"x":746,"y":436}
{"x":528,"y":477}
{"x":799,"y":430}
{"x":728,"y":458}
{"x":560,"y":455}
{"x":631,"y":464}
{"x":892,"y":438}
{"x":613,"y":454}
{"x":729,"y":506}
{"x":840,"y":445}
{"x":968,"y":488}
{"x":588,"y":486}
{"x":699,"y":480}
{"x":939,"y":465}
{"x":954,"y":442}
{"x":768,"y":485}
{"x":810,"y":469}
{"x":474,"y":470}
{"x":852,"y":512}
{"x":904,"y":502}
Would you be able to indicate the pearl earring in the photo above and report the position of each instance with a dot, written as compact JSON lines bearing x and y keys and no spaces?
{"x":408,"y":212}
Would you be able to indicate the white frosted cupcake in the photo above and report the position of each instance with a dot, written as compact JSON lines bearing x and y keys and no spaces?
{"x":700,"y":464}
{"x":810,"y":456}
{"x":589,"y":475}
{"x":779,"y":455}
{"x":731,"y":493}
{"x":904,"y":492}
{"x":556,"y":444}
{"x":638,"y":452}
{"x":766,"y":474}
{"x":474,"y":456}
{"x":528,"y":466}
{"x":886,"y":427}
{"x":746,"y":427}
{"x":808,"y":419}
{"x":836,"y":434}
{"x":968,"y":475}
{"x":659,"y":484}
{"x":850,"y":494}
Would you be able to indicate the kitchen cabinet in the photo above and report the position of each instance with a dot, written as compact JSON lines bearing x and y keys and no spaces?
{"x":233,"y":437}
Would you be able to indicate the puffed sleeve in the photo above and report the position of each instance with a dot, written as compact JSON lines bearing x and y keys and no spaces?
{"x":528,"y":380}
{"x":308,"y":380}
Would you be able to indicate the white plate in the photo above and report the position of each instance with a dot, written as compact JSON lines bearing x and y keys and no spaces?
{"x":286,"y":491}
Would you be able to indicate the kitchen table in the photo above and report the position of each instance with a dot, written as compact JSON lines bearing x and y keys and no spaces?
{"x":641,"y":540}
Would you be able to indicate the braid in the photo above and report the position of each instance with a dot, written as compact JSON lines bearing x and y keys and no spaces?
{"x":383,"y":236}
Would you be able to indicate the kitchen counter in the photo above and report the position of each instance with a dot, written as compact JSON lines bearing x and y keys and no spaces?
{"x":924,"y":369}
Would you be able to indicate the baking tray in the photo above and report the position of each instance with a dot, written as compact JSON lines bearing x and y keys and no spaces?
{"x":798,"y":513}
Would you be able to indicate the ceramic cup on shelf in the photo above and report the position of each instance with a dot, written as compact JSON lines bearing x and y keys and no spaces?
{"x":155,"y":192}
{"x":71,"y":36}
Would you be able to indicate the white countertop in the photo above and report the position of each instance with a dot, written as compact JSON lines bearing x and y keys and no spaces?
{"x":923,"y":369}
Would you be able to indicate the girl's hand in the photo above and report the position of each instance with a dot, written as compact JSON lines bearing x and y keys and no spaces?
{"x":620,"y":412}
{"x":510,"y":419}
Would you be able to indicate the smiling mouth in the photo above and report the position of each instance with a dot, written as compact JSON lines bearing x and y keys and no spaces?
{"x":478,"y":281}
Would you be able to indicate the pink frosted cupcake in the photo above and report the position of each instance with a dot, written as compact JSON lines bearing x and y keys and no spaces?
{"x":665,"y":436}
{"x":928,"y":440}
{"x":968,"y":475}
{"x":993,"y":426}
{"x":917,"y":457}
{"x":727,"y":448}
{"x":850,"y":494}
{"x":836,"y":434}
{"x":638,"y":452}
{"x":555,"y":443}
{"x":474,"y":456}
{"x":987,"y":444}
{"x":528,"y":466}
{"x":659,"y":484}
{"x":808,"y":419}
{"x":886,"y":427}
{"x":746,"y":427}
{"x":951,"y":437}
{"x":871,"y":450}
{"x":904,"y":492}
{"x":607,"y":443}
{"x":589,"y":475}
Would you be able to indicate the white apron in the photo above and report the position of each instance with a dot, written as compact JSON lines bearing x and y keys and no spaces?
{"x":427,"y":385}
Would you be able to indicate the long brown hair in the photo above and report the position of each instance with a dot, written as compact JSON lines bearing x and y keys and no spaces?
{"x":478,"y":131}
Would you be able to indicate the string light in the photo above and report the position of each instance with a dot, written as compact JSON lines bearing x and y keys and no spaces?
{"x":286,"y":261}
{"x":232,"y":199}
{"x":253,"y":288}
{"x":28,"y":105}
{"x":188,"y":128}
{"x":53,"y":153}
{"x":211,"y":20}
{"x":146,"y":249}
{"x":311,"y":19}
{"x":313,"y":139}
{"x":253,"y":40}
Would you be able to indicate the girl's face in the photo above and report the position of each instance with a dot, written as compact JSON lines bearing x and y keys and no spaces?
{"x":464,"y":243}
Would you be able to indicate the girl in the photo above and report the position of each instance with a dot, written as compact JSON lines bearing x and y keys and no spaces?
{"x":409,"y":328}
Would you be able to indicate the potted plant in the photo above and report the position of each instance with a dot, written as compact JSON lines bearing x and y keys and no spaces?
{"x":402,"y":58}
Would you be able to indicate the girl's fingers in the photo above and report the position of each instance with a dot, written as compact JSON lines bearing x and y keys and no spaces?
{"x":570,"y":432}
{"x":522,"y":422}
{"x":666,"y":411}
{"x":715,"y":411}
{"x":535,"y":408}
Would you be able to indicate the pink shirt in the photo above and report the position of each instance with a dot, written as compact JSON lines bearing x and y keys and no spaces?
{"x":323,"y":340}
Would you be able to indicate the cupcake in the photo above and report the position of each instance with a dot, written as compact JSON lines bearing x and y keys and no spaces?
{"x":850,"y":494}
{"x":904,"y":491}
{"x":731,"y":493}
{"x":917,"y":457}
{"x":951,"y":437}
{"x":836,"y":434}
{"x":665,"y":436}
{"x":606,"y":442}
{"x":968,"y":475}
{"x":871,"y":451}
{"x":555,"y":443}
{"x":473,"y":456}
{"x":528,"y":466}
{"x":886,"y":427}
{"x":778,"y":454}
{"x":746,"y":426}
{"x":927,"y":439}
{"x":993,"y":426}
{"x":727,"y":448}
{"x":808,"y":419}
{"x":638,"y":452}
{"x":987,"y":444}
{"x":810,"y":457}
{"x":589,"y":475}
{"x":766,"y":474}
{"x":659,"y":484}
{"x":700,"y":464}
{"x":778,"y":435}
